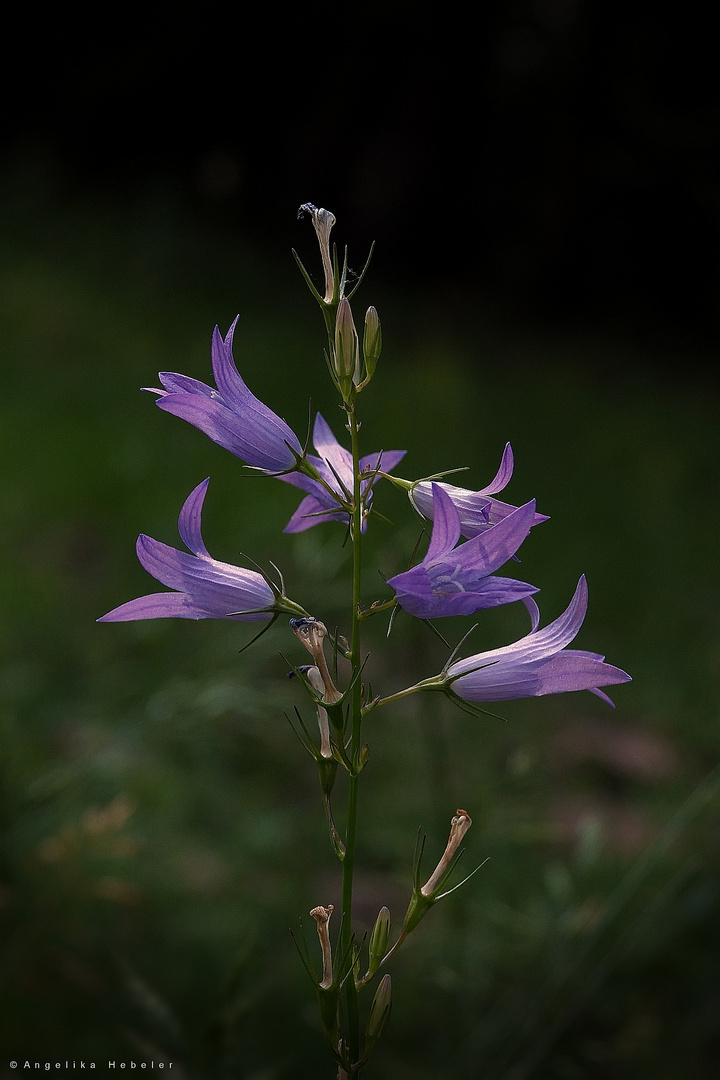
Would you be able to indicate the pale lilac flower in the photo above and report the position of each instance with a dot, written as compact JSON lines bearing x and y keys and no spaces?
{"x":457,"y":580}
{"x":231,"y":416}
{"x":335,"y":465}
{"x":205,"y":588}
{"x":537,"y":664}
{"x":478,"y":511}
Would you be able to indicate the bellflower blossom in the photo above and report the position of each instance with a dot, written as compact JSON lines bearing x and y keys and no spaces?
{"x":478,"y":511}
{"x":535,"y":665}
{"x":231,"y":416}
{"x":456,"y":580}
{"x":205,"y":588}
{"x":335,"y":466}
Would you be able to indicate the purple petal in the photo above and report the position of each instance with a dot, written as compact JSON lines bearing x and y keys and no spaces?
{"x":183,"y":384}
{"x":503,"y":475}
{"x":497,"y":682}
{"x":204,"y":587}
{"x":262,"y":429}
{"x":335,"y":467}
{"x":311,"y":512}
{"x":307,"y":484}
{"x":477,"y":510}
{"x":537,"y":645}
{"x":446,"y":526}
{"x":533,"y":611}
{"x":231,"y":416}
{"x":492,"y":548}
{"x":331,"y":451}
{"x":457,"y":581}
{"x":413,"y":582}
{"x":536,"y":664}
{"x":247,"y":437}
{"x":209,"y":415}
{"x":190,"y":520}
{"x":497,"y":511}
{"x":227,"y":377}
{"x":164,"y":605}
{"x":603,"y":697}
{"x":384,"y":461}
{"x":418,"y":598}
{"x":564,"y":629}
{"x":493,"y":592}
{"x":215,"y":586}
{"x":572,"y":670}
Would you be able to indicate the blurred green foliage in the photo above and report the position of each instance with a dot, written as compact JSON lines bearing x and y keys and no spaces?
{"x":162,"y":828}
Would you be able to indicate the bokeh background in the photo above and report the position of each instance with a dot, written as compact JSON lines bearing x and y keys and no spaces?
{"x":541,"y":180}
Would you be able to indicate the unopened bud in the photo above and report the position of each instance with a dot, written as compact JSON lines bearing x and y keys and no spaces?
{"x":379,"y":940}
{"x":379,"y":1012}
{"x":372,"y":341}
{"x":458,"y":827}
{"x":347,"y":352}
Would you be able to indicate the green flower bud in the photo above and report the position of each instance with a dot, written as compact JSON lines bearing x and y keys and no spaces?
{"x":379,"y":940}
{"x":327,"y":769}
{"x":379,"y":1013}
{"x":372,"y":341}
{"x":347,"y":352}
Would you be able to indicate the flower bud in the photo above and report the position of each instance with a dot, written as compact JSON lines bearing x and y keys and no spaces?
{"x":347,"y":352}
{"x":379,"y":940}
{"x":379,"y":1013}
{"x":372,"y":341}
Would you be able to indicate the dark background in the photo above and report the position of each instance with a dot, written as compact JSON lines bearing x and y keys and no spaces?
{"x":541,"y":180}
{"x":560,"y":156}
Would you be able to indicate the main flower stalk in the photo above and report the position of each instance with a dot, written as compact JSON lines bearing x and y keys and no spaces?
{"x":355,"y":734}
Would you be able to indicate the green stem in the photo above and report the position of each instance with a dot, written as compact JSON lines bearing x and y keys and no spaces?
{"x":377,"y":607}
{"x":356,"y":721}
{"x":401,"y":694}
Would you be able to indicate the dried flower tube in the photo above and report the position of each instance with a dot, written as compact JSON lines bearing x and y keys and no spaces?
{"x":321,"y":915}
{"x":315,"y":679}
{"x":312,"y":633}
{"x":323,"y":221}
{"x":458,"y":827}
